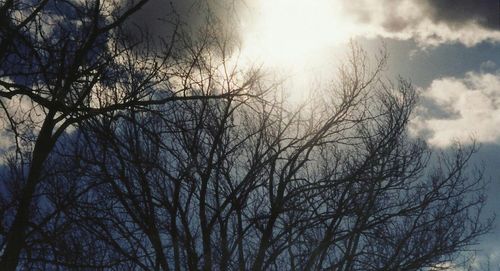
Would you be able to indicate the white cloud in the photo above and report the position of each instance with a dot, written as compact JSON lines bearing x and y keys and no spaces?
{"x":414,"y":19}
{"x":428,"y":33}
{"x":460,"y":109}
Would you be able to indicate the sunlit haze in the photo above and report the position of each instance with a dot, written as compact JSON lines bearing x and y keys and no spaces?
{"x":286,"y":31}
{"x":298,"y":38}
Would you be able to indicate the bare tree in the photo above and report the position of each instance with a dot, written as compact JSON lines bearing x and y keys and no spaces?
{"x":137,"y":153}
{"x":64,"y":62}
{"x":248,"y":183}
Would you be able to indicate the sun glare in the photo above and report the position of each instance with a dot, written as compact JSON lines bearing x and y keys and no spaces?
{"x":296,"y":38}
{"x":284,"y":32}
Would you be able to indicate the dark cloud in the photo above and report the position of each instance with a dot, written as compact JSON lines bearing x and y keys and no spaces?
{"x":459,"y":12}
{"x":395,"y":23}
{"x":454,"y":13}
{"x":160,"y":17}
{"x":364,"y":13}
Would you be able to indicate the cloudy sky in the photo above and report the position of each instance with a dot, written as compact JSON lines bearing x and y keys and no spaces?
{"x":449,"y":50}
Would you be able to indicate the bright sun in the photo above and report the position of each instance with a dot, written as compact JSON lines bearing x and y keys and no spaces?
{"x":297,"y":39}
{"x":285,"y":32}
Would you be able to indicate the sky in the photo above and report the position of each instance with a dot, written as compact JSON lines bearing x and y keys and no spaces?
{"x":448,"y":49}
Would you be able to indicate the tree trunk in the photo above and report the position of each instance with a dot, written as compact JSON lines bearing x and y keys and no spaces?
{"x":16,"y":237}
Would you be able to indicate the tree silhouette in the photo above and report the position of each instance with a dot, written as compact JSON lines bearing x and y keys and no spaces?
{"x":63,"y":62}
{"x":133,"y":153}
